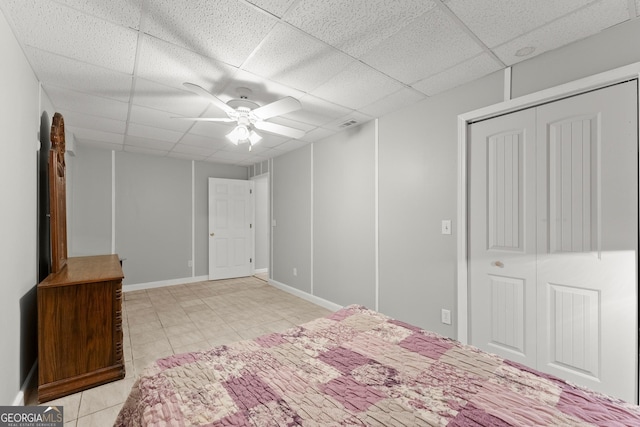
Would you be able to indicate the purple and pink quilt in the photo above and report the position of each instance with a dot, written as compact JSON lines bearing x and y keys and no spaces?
{"x":358,"y":367}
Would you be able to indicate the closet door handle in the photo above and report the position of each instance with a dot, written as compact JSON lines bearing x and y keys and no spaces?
{"x":498,"y":264}
{"x":212,"y":234}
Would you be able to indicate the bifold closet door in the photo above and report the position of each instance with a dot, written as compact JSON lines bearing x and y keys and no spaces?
{"x":502,"y":261}
{"x":553,"y":238}
{"x":588,"y":238}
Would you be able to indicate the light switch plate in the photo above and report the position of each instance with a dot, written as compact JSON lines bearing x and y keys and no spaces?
{"x":446,"y":226}
{"x":445,"y":316}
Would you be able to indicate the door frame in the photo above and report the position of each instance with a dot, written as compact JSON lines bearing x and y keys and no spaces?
{"x":617,"y":75}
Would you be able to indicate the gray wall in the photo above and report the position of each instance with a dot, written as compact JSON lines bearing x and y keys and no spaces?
{"x":417,"y":181}
{"x":20,"y":122}
{"x":418,"y":189}
{"x":90,"y":232}
{"x":153,"y":217}
{"x":291,"y":181}
{"x":612,"y":48}
{"x":344,"y":217}
{"x":153,"y":205}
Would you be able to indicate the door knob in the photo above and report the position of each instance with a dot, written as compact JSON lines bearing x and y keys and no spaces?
{"x":498,"y":264}
{"x":211,"y":234}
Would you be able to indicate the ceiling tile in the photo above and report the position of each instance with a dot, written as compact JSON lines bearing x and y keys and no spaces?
{"x":153,"y":144}
{"x":143,"y":131}
{"x":355,"y":26}
{"x":172,"y":65}
{"x":95,"y":135}
{"x":459,"y":74}
{"x":498,"y":21}
{"x":60,"y":71}
{"x":227,"y":30}
{"x":121,"y":12}
{"x":66,"y":99}
{"x":263,"y":90}
{"x":354,"y":59}
{"x":316,"y":111}
{"x":62,"y":30}
{"x":283,"y":120}
{"x":99,"y":145}
{"x":578,"y":25}
{"x":75,"y":119}
{"x":203,"y":141}
{"x":157,"y":118}
{"x":169,"y":99}
{"x":430,"y":44}
{"x":396,"y":101}
{"x":291,"y":145}
{"x":271,"y":140}
{"x":313,"y":136}
{"x":339,"y":124}
{"x":212,"y":129}
{"x":277,"y":7}
{"x":352,"y":87}
{"x":290,"y":57}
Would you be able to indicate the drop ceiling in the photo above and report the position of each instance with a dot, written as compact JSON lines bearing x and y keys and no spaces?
{"x":115,"y":68}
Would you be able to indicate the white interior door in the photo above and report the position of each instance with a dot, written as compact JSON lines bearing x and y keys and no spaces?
{"x":563,"y":297}
{"x":231,"y":232}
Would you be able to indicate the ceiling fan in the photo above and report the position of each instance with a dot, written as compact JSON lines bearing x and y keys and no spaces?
{"x":248,"y":115}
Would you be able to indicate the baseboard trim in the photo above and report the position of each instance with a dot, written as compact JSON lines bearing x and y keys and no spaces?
{"x":20,"y":397}
{"x":261,"y":270}
{"x":163,"y":283}
{"x":305,"y":295}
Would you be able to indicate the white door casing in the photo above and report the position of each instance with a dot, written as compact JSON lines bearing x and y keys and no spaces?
{"x":553,"y":238}
{"x":231,"y":232}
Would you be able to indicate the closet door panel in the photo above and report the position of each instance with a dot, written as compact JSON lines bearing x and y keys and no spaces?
{"x":502,"y":236}
{"x":587,"y":207}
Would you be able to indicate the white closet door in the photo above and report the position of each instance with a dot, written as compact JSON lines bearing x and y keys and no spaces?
{"x":502,"y":261}
{"x":588,"y":238}
{"x":553,"y":246}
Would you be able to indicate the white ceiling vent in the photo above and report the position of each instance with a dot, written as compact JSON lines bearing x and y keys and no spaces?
{"x":348,"y":123}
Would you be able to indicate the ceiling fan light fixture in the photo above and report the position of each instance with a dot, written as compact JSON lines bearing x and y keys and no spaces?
{"x":239,"y":134}
{"x":254,"y":138}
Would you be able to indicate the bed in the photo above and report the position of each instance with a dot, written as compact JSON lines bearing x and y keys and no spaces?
{"x":357,"y":367}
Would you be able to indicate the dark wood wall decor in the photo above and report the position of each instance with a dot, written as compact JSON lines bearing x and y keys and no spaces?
{"x":79,"y":303}
{"x":58,"y":194}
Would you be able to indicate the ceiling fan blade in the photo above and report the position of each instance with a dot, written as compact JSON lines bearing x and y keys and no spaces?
{"x":277,"y":108}
{"x":280,"y":129}
{"x":212,"y":98}
{"x":206,"y":119}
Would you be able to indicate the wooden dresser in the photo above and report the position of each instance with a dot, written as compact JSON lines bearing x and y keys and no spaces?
{"x":80,"y":326}
{"x":79,"y":303}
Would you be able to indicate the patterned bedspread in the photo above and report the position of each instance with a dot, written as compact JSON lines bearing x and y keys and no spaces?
{"x":358,"y":367}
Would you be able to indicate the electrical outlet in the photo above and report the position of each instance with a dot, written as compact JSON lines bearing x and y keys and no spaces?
{"x":190,"y":263}
{"x":445,"y":316}
{"x":295,"y":271}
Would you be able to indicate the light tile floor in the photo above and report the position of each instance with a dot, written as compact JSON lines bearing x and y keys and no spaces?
{"x":176,"y":319}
